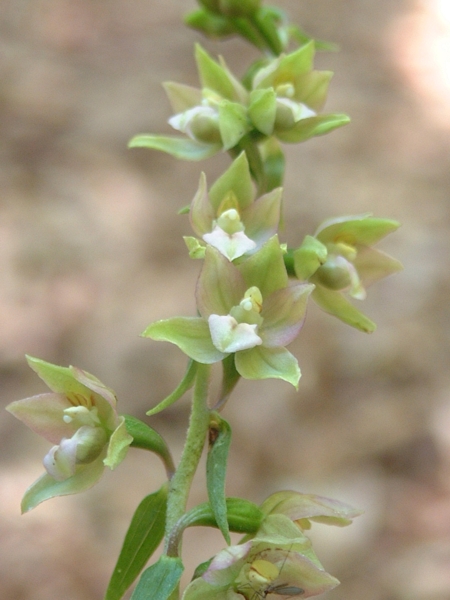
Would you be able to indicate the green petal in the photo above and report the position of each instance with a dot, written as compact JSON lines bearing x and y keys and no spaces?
{"x":312,"y":88}
{"x":59,"y":379}
{"x":262,"y":109}
{"x":337,"y":304}
{"x":233,"y":123}
{"x":308,"y":128}
{"x":372,"y":265}
{"x":181,"y":148}
{"x":309,"y":257}
{"x":220,"y":285}
{"x":265,"y":269}
{"x":217,"y":77}
{"x":190,"y":334}
{"x":119,"y":442}
{"x":262,"y":217}
{"x":46,"y":487}
{"x":236,"y":179}
{"x":182,"y":97}
{"x":268,"y":363}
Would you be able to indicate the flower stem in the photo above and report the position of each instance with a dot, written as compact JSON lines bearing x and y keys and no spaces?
{"x":195,"y":440}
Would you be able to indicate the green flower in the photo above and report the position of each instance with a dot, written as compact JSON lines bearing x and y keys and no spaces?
{"x":278,"y":560}
{"x":247,"y":310}
{"x":287,"y":95}
{"x":80,"y":417}
{"x":340,"y":260}
{"x":229,"y":218}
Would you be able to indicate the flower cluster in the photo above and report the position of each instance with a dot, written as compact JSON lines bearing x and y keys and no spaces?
{"x":282,"y":101}
{"x":279,"y":559}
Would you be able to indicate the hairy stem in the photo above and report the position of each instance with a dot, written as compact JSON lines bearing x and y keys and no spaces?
{"x":195,"y":440}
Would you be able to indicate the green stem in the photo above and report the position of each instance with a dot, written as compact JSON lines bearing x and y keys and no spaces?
{"x":195,"y":440}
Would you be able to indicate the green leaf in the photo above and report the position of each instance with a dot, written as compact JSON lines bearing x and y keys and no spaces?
{"x":185,"y":384}
{"x":144,"y":534}
{"x":243,"y":516}
{"x":308,"y":128}
{"x":216,"y":468}
{"x":190,"y":334}
{"x":178,"y":147}
{"x":146,"y":438}
{"x":337,"y":304}
{"x":159,"y":581}
{"x":267,"y":363}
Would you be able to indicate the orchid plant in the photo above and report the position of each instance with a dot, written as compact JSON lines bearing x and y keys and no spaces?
{"x":252,"y":294}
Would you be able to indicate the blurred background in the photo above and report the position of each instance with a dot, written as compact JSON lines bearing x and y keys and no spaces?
{"x":91,"y":253}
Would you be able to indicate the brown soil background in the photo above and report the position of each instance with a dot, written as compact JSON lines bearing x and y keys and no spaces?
{"x":91,"y":252}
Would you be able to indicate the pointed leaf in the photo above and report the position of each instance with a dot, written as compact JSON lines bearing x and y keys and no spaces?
{"x":178,"y":147}
{"x":190,"y":334}
{"x":185,"y":385}
{"x":337,"y":304}
{"x":160,"y":580}
{"x":216,"y":468}
{"x":267,"y":363}
{"x":146,"y":438}
{"x":144,"y":534}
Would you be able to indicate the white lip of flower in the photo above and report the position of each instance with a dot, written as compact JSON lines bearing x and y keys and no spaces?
{"x":298,"y":110}
{"x":228,"y":235}
{"x":83,"y":447}
{"x":182,"y":121}
{"x":230,"y":336}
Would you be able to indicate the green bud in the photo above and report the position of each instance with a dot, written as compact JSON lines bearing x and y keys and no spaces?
{"x":209,"y":23}
{"x":239,"y":8}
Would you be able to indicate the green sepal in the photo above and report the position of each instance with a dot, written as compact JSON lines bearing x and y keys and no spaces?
{"x":216,"y":77}
{"x":233,"y":123}
{"x":144,"y":534}
{"x":216,"y":468}
{"x":178,"y":147}
{"x":185,"y":384}
{"x":190,"y":334}
{"x":160,"y":580}
{"x":337,"y":305}
{"x":147,"y":438}
{"x":268,"y":363}
{"x":312,"y":126}
{"x":309,"y":257}
{"x":262,"y":109}
{"x":195,"y":247}
{"x":243,"y":516}
{"x":265,"y":268}
{"x":236,"y":179}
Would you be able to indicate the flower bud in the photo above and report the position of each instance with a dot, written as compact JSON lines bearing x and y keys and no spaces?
{"x":239,"y":8}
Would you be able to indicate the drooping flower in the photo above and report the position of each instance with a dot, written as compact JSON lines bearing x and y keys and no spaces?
{"x":248,"y":310}
{"x":340,"y":260}
{"x":229,"y":218}
{"x":80,"y":418}
{"x":278,"y":560}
